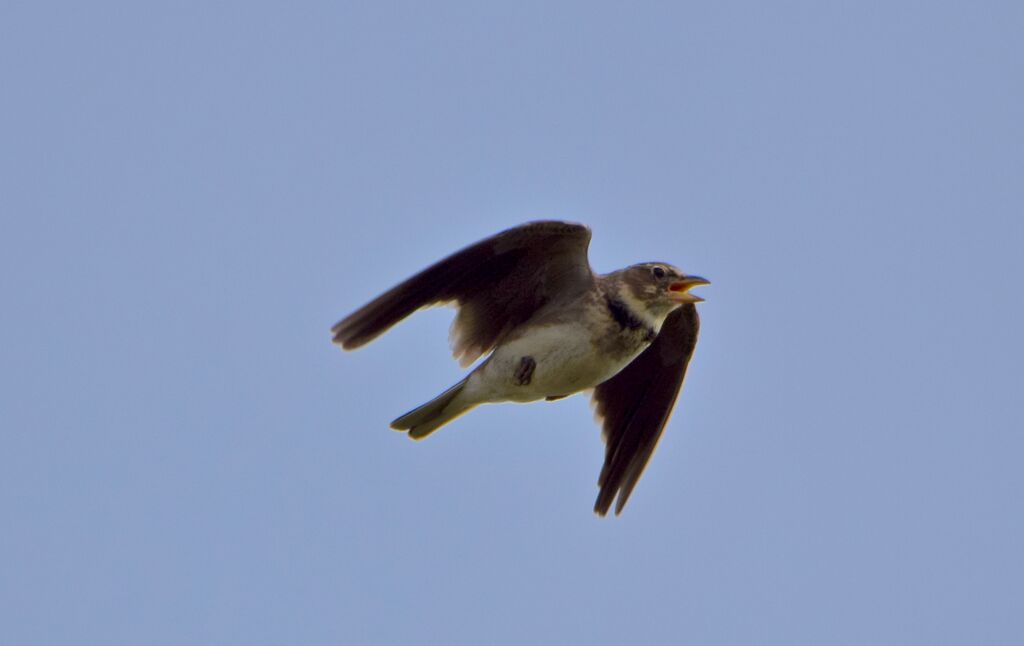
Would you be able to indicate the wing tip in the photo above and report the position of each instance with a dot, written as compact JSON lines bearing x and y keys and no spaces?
{"x":347,"y":338}
{"x":343,"y":341}
{"x":604,"y":501}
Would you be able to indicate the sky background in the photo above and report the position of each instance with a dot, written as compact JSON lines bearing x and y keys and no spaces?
{"x":193,"y":193}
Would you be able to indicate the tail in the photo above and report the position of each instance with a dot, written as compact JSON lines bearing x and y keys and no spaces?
{"x":422,"y":421}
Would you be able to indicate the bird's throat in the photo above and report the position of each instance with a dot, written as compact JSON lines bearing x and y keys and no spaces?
{"x":627,"y":319}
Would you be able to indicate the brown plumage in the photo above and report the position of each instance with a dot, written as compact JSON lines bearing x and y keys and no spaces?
{"x":553,"y":328}
{"x":497,"y":284}
{"x":634,"y":406}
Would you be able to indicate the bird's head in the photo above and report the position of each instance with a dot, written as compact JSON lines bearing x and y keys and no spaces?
{"x":658,"y":288}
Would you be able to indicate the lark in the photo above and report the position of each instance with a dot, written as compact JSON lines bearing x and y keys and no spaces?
{"x":549,"y":327}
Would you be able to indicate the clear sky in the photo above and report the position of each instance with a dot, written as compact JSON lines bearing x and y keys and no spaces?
{"x":192,"y":194}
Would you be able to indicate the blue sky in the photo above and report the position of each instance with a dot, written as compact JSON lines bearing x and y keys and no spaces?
{"x":192,"y":194}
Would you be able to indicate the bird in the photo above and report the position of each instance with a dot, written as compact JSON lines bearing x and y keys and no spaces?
{"x":549,"y":327}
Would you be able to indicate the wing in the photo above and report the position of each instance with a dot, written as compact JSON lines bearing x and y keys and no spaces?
{"x":497,"y":284}
{"x":635,"y":404}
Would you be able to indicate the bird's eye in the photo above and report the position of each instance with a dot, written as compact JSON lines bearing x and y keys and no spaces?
{"x":659,"y":272}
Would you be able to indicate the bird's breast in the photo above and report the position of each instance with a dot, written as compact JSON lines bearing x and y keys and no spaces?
{"x":554,"y":359}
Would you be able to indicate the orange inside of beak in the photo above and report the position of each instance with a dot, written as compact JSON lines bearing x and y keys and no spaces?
{"x":687,"y":283}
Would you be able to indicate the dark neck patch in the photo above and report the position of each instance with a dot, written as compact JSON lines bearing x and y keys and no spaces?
{"x":627,"y":319}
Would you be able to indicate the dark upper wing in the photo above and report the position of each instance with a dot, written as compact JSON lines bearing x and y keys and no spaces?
{"x":635,"y":404}
{"x":497,"y":283}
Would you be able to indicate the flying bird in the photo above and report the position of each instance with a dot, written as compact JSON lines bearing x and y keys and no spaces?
{"x":552,"y":328}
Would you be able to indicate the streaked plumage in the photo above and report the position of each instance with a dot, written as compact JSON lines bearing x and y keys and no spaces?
{"x":553,"y":328}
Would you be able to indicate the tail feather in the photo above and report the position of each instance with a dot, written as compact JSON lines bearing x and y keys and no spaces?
{"x":424,"y":420}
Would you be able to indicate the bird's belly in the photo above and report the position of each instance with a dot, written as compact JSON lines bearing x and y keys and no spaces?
{"x":552,"y":361}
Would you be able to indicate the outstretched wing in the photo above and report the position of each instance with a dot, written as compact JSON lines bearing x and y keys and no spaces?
{"x":635,"y":404}
{"x":497,"y":284}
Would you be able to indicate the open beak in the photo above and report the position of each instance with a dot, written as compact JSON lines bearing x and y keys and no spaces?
{"x":680,"y":290}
